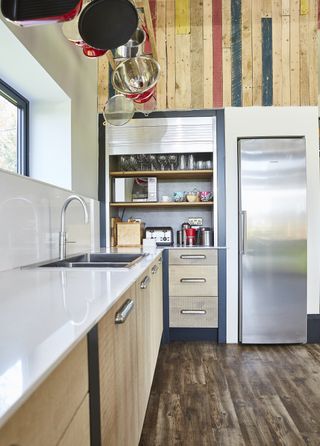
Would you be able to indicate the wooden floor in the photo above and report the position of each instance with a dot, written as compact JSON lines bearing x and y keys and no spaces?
{"x":205,"y":394}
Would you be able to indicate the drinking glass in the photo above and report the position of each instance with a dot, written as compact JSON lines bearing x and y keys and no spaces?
{"x":133,"y":162}
{"x":191,"y":162}
{"x":200,"y":164}
{"x":123,"y":164}
{"x":173,"y":160}
{"x":182,"y":162}
{"x":153,"y":162}
{"x":142,"y":161}
{"x":162,"y":159}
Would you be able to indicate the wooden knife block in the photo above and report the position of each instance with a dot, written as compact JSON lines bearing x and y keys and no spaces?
{"x":129,"y":234}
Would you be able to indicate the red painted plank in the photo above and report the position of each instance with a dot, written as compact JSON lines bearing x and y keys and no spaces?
{"x":217,"y":53}
{"x":152,"y":104}
{"x":147,"y":46}
{"x":318,"y":14}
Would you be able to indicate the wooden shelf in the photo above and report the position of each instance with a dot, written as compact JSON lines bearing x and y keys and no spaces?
{"x":166,"y":174}
{"x":161,"y":204}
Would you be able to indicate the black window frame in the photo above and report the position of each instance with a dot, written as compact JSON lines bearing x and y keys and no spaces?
{"x":22,"y":105}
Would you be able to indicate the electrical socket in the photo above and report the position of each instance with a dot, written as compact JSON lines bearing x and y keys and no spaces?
{"x":195,"y":221}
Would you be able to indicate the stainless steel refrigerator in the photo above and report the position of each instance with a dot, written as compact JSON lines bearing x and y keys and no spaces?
{"x":272,"y":241}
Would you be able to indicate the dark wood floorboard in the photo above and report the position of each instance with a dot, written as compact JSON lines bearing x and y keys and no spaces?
{"x":205,"y":394}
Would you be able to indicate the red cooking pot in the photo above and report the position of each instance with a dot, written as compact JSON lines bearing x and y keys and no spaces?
{"x":92,"y":52}
{"x":39,"y":12}
{"x":142,"y":97}
{"x":71,"y":32}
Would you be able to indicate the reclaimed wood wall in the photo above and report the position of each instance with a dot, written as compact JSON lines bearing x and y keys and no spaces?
{"x":219,"y":53}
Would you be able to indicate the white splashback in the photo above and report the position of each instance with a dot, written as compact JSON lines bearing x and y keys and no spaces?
{"x":30,"y":222}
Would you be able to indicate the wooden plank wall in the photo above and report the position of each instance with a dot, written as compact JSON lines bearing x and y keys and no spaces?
{"x":219,"y":53}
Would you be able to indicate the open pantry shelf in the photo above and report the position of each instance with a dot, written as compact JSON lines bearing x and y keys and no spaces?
{"x":163,"y":204}
{"x":165,"y":174}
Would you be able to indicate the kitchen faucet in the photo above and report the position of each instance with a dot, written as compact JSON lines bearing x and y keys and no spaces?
{"x":63,"y":234}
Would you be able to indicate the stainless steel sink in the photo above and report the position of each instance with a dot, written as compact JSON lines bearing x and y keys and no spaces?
{"x":96,"y":260}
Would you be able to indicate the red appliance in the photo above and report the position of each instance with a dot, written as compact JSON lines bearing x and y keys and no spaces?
{"x":39,"y":12}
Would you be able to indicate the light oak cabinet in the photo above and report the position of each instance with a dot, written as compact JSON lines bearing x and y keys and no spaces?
{"x":127,"y":358}
{"x":156,"y":310}
{"x":143,"y":293}
{"x":78,"y":431}
{"x":193,"y":288}
{"x":118,"y":363}
{"x":49,"y":416}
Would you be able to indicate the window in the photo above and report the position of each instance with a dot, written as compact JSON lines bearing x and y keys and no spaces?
{"x":14,"y":117}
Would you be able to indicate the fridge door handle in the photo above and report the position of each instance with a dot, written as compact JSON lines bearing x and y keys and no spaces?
{"x":243,"y":232}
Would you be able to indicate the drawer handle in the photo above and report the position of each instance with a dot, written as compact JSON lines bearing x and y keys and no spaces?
{"x":154,"y":269}
{"x":124,"y":311}
{"x":193,"y":312}
{"x":193,"y":280}
{"x":144,"y":284}
{"x":193,"y":256}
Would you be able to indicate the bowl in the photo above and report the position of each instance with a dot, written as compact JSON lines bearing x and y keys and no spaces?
{"x":206,"y":196}
{"x":192,"y":198}
{"x":136,"y":75}
{"x":179,"y":196}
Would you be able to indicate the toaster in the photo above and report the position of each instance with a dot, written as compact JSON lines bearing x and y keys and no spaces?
{"x":163,"y":235}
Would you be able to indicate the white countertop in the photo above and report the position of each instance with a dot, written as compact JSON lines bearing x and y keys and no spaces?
{"x":44,"y":312}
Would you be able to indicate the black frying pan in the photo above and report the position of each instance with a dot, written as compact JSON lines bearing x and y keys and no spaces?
{"x":35,"y":12}
{"x":107,"y":24}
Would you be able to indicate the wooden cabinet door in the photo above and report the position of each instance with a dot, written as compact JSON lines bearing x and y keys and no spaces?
{"x":118,"y":365}
{"x":47,"y":413}
{"x":143,"y":287}
{"x":156,"y":311}
{"x":78,"y":432}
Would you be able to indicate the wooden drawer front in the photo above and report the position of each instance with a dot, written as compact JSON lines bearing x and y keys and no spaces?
{"x":193,"y":280}
{"x":193,"y":312}
{"x":193,"y":257}
{"x":78,"y":432}
{"x":46,"y":415}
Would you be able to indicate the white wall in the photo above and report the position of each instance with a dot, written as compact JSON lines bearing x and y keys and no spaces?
{"x":76,"y":76}
{"x":264,"y":122}
{"x":30,"y":222}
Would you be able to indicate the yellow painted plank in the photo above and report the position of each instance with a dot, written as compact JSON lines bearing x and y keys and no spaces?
{"x":304,"y":7}
{"x":304,"y":60}
{"x":256,"y":53}
{"x":266,"y":8}
{"x":182,"y":17}
{"x":197,"y":54}
{"x":294,"y":52}
{"x":161,"y":53}
{"x":183,"y":72}
{"x":285,"y":43}
{"x":277,"y":51}
{"x":226,"y":52}
{"x":208,"y":54}
{"x":103,"y":82}
{"x":246,"y":32}
{"x":313,"y":56}
{"x":171,"y":55}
